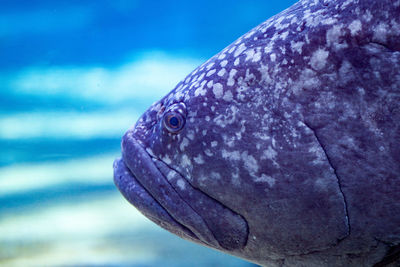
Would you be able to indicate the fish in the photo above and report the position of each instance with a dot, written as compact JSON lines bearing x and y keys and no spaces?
{"x":284,"y":148}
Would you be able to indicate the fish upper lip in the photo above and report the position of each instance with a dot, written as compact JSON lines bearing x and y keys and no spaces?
{"x":164,"y":196}
{"x":151,"y":179}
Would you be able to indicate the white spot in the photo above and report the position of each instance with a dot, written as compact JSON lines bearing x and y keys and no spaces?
{"x":209,"y":66}
{"x":170,"y":175}
{"x":210,"y":84}
{"x":250,"y":163}
{"x":232,"y":155}
{"x":270,"y":153}
{"x":361,"y":91}
{"x":208,"y":153}
{"x":308,"y":80}
{"x":257,"y":56}
{"x":273,"y":57}
{"x":232,"y":49}
{"x":346,"y":72}
{"x":195,"y":78}
{"x":235,"y":178}
{"x":249,"y":54}
{"x":239,"y":50}
{"x":150,"y":152}
{"x":218,"y":90}
{"x":223,"y":63}
{"x":345,"y":4}
{"x":318,"y":59}
{"x":333,"y":34}
{"x":200,"y":91}
{"x":211,"y":72}
{"x":268,"y":48}
{"x":380,"y":32}
{"x":320,"y":157}
{"x":190,"y":135}
{"x":184,"y":144}
{"x":329,"y":21}
{"x":166,"y":159}
{"x":297,"y":46}
{"x":231,"y":81}
{"x":199,"y":159}
{"x":266,"y":179}
{"x":215,"y":175}
{"x":228,"y":96}
{"x":368,"y":16}
{"x":354,"y":27}
{"x":284,"y":35}
{"x":185,"y":161}
{"x":221,"y":72}
{"x":221,"y":56}
{"x":237,"y":61}
{"x":228,"y":118}
{"x":181,"y":184}
{"x":214,"y":143}
{"x":253,"y":55}
{"x":202,"y":76}
{"x":249,"y":34}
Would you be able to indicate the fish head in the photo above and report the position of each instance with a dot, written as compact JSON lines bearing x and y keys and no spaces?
{"x":213,"y":164}
{"x":163,"y":171}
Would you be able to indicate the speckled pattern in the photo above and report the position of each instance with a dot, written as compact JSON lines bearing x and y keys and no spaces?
{"x":290,"y":150}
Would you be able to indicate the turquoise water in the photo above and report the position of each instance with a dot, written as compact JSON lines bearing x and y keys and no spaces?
{"x":74,"y":75}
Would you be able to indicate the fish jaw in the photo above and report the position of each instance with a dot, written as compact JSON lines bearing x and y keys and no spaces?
{"x":134,"y":192}
{"x":150,"y":185}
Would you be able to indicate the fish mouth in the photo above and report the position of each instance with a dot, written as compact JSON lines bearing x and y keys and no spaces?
{"x":134,"y":192}
{"x":169,"y":200}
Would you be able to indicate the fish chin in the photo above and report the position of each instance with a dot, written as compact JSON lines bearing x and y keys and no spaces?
{"x":166,"y":198}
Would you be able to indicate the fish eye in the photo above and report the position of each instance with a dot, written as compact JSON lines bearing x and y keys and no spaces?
{"x":173,"y":121}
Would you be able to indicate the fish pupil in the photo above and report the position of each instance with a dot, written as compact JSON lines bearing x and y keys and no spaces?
{"x":174,"y":121}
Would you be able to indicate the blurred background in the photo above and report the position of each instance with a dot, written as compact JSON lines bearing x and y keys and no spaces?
{"x":74,"y":75}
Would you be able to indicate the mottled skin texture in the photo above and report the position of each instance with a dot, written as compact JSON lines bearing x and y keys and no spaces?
{"x":290,"y":151}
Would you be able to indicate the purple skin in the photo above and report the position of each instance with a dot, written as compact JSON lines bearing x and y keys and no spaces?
{"x":284,"y":148}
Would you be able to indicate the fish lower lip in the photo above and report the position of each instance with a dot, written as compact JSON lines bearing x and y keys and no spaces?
{"x":133,"y":191}
{"x":143,"y":169}
{"x":207,"y":219}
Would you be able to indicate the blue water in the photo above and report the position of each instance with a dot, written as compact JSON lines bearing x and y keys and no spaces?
{"x":74,"y":75}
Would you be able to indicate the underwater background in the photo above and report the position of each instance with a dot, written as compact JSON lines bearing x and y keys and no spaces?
{"x":74,"y":76}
